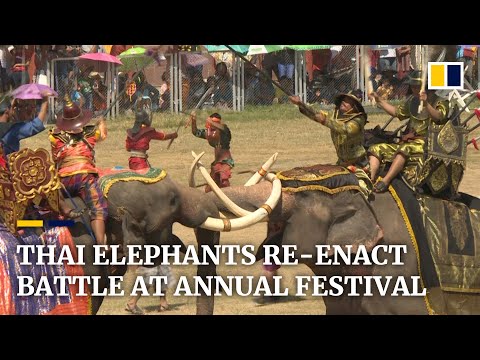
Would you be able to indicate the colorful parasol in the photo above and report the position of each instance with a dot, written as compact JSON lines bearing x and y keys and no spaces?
{"x":263,"y":49}
{"x":135,"y":59}
{"x":32,"y":91}
{"x":99,"y":61}
{"x":242,"y":49}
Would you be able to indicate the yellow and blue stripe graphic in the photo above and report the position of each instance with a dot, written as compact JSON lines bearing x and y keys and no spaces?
{"x":41,"y":223}
{"x":445,"y":75}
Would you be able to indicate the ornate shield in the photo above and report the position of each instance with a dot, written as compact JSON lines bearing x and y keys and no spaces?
{"x":31,"y":177}
{"x":448,"y":143}
{"x":446,"y":158}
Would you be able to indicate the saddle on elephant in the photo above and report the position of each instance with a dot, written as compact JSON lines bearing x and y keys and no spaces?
{"x":330,"y":179}
{"x":109,"y":177}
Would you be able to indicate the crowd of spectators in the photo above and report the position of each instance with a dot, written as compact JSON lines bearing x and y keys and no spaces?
{"x":329,"y":71}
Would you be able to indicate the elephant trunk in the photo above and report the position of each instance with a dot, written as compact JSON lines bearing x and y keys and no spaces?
{"x":195,"y":207}
{"x":205,"y":304}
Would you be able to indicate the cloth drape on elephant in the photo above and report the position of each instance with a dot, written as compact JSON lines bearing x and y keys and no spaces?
{"x":331,"y":179}
{"x":10,"y":269}
{"x":411,"y":212}
{"x":108,"y":177}
{"x":453,"y":234}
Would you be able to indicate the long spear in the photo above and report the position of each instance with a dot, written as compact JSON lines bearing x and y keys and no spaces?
{"x":200,"y":102}
{"x":310,"y":111}
{"x":477,"y":96}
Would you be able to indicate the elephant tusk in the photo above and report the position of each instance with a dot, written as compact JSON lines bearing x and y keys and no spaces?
{"x":191,"y":177}
{"x":262,"y":172}
{"x":252,"y":218}
{"x":234,"y":208}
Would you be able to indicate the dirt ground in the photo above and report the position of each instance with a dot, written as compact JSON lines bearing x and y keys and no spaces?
{"x":298,"y":140}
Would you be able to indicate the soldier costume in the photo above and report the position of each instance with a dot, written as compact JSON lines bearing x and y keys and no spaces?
{"x":139,"y":136}
{"x":218,"y":136}
{"x":412,"y":144}
{"x":73,"y":143}
{"x":347,"y":129}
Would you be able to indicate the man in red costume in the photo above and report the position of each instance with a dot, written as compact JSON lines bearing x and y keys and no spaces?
{"x":218,"y":136}
{"x":73,"y":143}
{"x":138,"y":139}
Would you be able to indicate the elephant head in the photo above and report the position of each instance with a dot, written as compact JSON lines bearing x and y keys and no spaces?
{"x":142,"y":214}
{"x":304,"y":219}
{"x":145,"y":213}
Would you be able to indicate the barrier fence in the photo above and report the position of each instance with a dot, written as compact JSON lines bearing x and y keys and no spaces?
{"x":178,"y":83}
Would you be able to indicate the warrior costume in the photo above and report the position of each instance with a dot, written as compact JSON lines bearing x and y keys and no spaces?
{"x":347,"y":131}
{"x":219,"y":139}
{"x":138,"y":140}
{"x":73,"y":146}
{"x":413,"y":141}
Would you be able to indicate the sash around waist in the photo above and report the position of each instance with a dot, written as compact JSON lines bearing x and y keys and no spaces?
{"x":139,"y":154}
{"x":72,"y":160}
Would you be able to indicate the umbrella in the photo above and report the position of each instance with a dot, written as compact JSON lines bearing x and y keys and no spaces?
{"x":384,"y":47}
{"x":99,"y":61}
{"x":32,"y":91}
{"x":197,"y":59}
{"x":159,"y":49}
{"x":243,"y":49}
{"x":135,"y":59}
{"x":263,"y":49}
{"x":307,"y":47}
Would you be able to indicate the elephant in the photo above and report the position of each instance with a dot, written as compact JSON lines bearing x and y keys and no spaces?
{"x":312,"y":218}
{"x":143,"y":214}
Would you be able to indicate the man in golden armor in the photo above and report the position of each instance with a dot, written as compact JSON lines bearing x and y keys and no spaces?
{"x":413,"y":139}
{"x":347,"y":129}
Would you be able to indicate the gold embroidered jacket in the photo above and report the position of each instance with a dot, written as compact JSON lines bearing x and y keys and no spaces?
{"x":419,"y":122}
{"x":347,"y":132}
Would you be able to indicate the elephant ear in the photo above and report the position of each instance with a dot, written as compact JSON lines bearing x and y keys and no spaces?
{"x":354,"y":223}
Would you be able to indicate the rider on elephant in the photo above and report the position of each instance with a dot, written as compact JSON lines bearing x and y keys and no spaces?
{"x":139,"y":136}
{"x":218,"y":136}
{"x":413,"y":139}
{"x":73,"y":143}
{"x":16,"y":124}
{"x":347,"y":129}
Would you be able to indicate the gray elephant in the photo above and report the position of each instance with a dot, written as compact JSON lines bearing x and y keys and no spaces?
{"x":310,"y":218}
{"x":142,"y":214}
